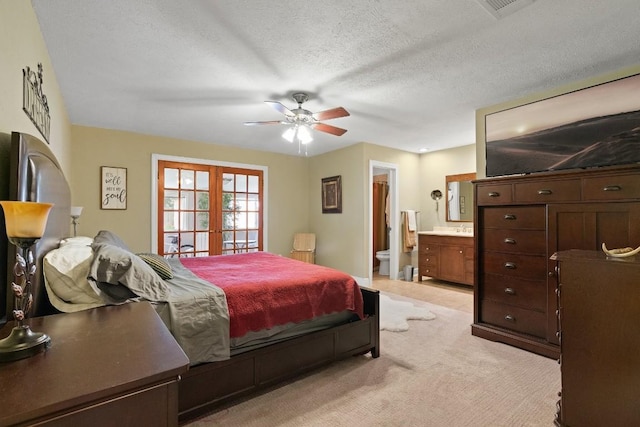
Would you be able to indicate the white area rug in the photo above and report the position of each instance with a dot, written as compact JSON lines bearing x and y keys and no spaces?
{"x":394,"y":314}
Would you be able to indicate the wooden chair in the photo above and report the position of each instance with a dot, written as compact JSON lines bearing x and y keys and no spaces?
{"x":304,"y":247}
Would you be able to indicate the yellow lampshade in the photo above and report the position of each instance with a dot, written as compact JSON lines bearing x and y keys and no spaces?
{"x":25,"y":219}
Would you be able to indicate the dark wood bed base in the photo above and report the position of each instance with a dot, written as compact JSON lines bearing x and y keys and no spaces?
{"x":211,"y":385}
{"x":30,"y":172}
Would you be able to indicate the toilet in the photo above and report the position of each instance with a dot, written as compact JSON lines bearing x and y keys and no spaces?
{"x":383,"y":256}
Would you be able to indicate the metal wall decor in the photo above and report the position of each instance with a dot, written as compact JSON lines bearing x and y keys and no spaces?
{"x":34,"y":102}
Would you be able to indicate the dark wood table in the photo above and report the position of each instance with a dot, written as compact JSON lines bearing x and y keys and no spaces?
{"x":116,"y":365}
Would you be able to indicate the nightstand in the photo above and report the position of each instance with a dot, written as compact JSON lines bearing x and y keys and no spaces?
{"x":116,"y":365}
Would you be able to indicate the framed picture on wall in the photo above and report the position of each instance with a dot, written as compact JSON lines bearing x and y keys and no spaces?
{"x":113,"y":183}
{"x":332,"y":194}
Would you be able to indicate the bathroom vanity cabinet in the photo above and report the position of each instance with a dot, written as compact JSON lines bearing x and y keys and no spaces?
{"x":520,"y":222}
{"x":446,"y":257}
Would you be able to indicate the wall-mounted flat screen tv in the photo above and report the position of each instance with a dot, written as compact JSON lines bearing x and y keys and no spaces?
{"x":592,"y":127}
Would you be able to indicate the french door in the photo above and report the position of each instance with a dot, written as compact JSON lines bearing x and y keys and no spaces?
{"x":208,"y":210}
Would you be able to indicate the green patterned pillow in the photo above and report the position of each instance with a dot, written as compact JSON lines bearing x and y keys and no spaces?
{"x":159,"y":264}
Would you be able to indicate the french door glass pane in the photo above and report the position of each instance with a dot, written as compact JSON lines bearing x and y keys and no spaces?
{"x":202,"y":221}
{"x":254,"y":184}
{"x":202,"y":180}
{"x":170,"y":178}
{"x":187,"y":180}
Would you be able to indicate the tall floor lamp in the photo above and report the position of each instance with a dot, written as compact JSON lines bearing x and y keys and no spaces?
{"x":25,"y":223}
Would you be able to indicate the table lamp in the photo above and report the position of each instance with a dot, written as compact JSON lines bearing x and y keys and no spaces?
{"x":25,"y":223}
{"x":76,"y":211}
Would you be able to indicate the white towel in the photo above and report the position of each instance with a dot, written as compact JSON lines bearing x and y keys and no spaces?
{"x":411,"y":220}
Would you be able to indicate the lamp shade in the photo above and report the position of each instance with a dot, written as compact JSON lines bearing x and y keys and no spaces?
{"x":25,"y":219}
{"x":76,"y":211}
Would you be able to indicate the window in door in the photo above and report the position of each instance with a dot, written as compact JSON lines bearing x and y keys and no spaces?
{"x":208,"y":210}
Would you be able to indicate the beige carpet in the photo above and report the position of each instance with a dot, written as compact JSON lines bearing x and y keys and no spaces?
{"x":434,"y":374}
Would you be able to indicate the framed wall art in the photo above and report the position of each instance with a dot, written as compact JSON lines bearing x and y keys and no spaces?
{"x":113,"y":183}
{"x":332,"y":194}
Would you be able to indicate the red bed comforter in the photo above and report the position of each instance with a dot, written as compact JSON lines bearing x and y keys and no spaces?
{"x":264,"y":290}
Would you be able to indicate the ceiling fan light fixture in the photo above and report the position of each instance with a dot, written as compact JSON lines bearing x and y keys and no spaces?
{"x":299,"y":133}
{"x":289,"y":134}
{"x":304,"y":134}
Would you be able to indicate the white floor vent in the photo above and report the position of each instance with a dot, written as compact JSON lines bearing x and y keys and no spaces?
{"x":501,"y":8}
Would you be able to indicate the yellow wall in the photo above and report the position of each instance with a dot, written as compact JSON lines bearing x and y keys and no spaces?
{"x":21,"y":46}
{"x":287,"y":183}
{"x":481,"y":113}
{"x":433,"y":169}
{"x":343,"y":239}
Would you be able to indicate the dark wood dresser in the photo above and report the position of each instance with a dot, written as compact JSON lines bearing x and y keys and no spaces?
{"x":110,"y":366}
{"x":520,"y":222}
{"x":599,"y":300}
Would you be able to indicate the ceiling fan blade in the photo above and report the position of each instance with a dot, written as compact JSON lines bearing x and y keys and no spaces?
{"x":333,"y":113}
{"x":322,"y":127}
{"x":272,"y":122}
{"x":281,"y":108}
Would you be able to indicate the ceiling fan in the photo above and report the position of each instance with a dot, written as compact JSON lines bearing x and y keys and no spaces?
{"x":301,"y":118}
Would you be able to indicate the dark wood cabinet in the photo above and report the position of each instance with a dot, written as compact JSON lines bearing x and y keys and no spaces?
{"x":521,"y":222}
{"x":107,"y":366}
{"x":446,"y":257}
{"x":599,"y":312}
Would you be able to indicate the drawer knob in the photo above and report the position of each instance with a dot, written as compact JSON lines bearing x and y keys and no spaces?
{"x":510,"y":216}
{"x":510,"y":241}
{"x":494,"y":194}
{"x":510,"y":265}
{"x":509,"y":318}
{"x":544,"y":192}
{"x":612,"y":188}
{"x":509,"y":291}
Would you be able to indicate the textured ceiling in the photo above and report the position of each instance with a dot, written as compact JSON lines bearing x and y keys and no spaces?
{"x":411,"y":73}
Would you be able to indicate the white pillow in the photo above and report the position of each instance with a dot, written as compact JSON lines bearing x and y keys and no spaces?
{"x":79,"y":240}
{"x":65,"y":272}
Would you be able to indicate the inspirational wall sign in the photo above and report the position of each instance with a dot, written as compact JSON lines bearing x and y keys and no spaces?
{"x":114,"y":188}
{"x":34,"y":102}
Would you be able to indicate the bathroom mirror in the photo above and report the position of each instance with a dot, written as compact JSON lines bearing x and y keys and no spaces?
{"x":460,"y":197}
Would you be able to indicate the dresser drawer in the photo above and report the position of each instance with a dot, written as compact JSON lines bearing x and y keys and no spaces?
{"x":518,"y":319}
{"x":524,"y":293}
{"x":499,"y":194}
{"x":551,"y":191}
{"x":622,"y":187}
{"x":514,"y":241}
{"x":515,"y":265}
{"x":511,"y":217}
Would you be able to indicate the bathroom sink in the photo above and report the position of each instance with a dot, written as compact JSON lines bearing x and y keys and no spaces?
{"x":450,"y":231}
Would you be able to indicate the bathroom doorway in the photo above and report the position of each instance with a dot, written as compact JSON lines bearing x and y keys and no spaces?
{"x":383,"y":217}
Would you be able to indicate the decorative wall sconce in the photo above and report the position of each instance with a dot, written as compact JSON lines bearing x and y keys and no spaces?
{"x":25,"y":223}
{"x":76,"y":211}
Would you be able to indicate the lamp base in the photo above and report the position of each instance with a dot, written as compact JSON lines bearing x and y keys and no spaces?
{"x":21,"y":343}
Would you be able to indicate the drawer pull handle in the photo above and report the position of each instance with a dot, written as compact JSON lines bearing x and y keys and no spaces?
{"x":509,"y":291}
{"x":510,"y":265}
{"x":612,"y":188}
{"x":494,"y":194}
{"x":510,"y":216}
{"x":509,"y":318}
{"x":544,"y":192}
{"x":510,"y":241}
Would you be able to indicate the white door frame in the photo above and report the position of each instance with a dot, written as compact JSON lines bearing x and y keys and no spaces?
{"x":394,"y":218}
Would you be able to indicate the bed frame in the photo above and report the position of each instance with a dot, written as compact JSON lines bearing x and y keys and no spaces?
{"x":35,"y":175}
